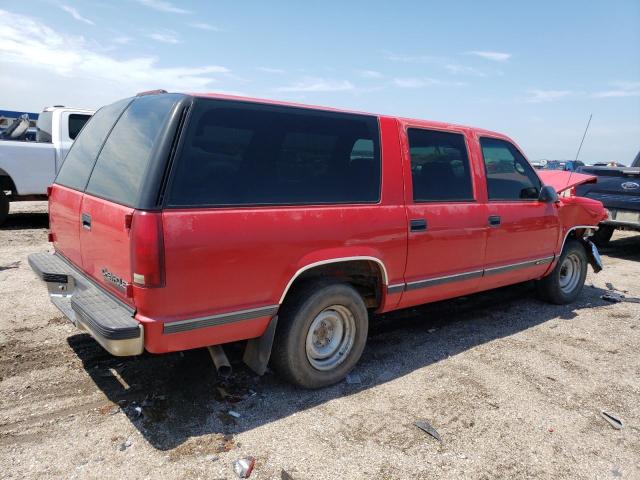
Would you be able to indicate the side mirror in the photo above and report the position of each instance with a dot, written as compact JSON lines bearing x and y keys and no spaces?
{"x":548,"y":194}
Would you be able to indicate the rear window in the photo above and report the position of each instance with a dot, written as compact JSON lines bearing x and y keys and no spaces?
{"x":439,"y":166}
{"x":78,"y":163}
{"x":249,"y":154}
{"x":123,"y":161}
{"x":76,"y":122}
{"x":44,"y":127}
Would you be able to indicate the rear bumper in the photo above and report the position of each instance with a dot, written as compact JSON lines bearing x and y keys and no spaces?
{"x":88,"y":307}
{"x":623,"y":218}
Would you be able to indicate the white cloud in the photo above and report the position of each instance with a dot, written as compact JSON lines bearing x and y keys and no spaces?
{"x":540,"y":96}
{"x":414,"y":82}
{"x":312,"y":84}
{"x":494,"y":56}
{"x":121,"y":40}
{"x":68,"y":70}
{"x":370,"y":74}
{"x":164,"y":37}
{"x":163,"y":6}
{"x":620,"y":89}
{"x":275,"y":71}
{"x":205,"y":26}
{"x":458,"y":69}
{"x":75,"y":14}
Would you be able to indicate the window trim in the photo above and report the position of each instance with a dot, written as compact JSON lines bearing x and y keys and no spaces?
{"x":166,"y":205}
{"x":473,"y":198}
{"x":486,"y":174}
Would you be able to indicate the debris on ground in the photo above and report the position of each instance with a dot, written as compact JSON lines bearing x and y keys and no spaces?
{"x":244,"y":466}
{"x":10,"y":266}
{"x":234,"y":414}
{"x":612,"y":419}
{"x":613,"y":298}
{"x":426,"y":427}
{"x":126,"y":444}
{"x":353,"y":378}
{"x":284,"y":475}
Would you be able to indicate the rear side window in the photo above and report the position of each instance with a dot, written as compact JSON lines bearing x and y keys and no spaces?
{"x":78,"y":163}
{"x":248,"y":154}
{"x":439,"y":166}
{"x":509,"y":175}
{"x":76,"y":122}
{"x":123,"y":161}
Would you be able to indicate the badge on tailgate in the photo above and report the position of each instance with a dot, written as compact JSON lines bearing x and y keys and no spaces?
{"x":114,"y":279}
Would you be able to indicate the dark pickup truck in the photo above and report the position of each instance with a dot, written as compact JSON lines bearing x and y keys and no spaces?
{"x":618,"y":188}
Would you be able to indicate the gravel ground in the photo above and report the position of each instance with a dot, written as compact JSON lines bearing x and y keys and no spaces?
{"x":514,"y":387}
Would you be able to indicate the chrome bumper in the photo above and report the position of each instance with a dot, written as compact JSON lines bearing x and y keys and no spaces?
{"x":90,"y":308}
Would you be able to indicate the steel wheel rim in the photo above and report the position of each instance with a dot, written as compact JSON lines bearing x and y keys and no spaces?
{"x":570,"y":271}
{"x":330,"y":338}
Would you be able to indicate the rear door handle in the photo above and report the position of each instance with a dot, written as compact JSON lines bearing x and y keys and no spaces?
{"x":418,"y":225}
{"x":86,"y":221}
{"x":494,"y":220}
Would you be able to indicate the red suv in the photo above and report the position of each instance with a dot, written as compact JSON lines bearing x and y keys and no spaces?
{"x":184,"y":221}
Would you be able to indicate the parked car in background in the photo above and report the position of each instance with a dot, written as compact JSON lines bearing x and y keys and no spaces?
{"x":185,"y":221}
{"x":618,"y":188}
{"x":566,"y":165}
{"x":27,"y":168}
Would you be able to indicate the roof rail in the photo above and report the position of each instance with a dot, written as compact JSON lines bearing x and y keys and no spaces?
{"x":151,"y":92}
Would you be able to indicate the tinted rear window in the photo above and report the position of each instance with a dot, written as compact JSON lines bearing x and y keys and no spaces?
{"x":439,"y":166}
{"x":76,"y":122}
{"x":248,"y":154}
{"x":78,"y":163}
{"x":123,"y":161}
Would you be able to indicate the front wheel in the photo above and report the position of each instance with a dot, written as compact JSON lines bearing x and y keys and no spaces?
{"x":322,"y":331}
{"x":565,"y":282}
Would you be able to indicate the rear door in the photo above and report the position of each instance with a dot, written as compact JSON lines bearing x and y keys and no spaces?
{"x":447,"y":225}
{"x":68,"y":190}
{"x":523,"y":231}
{"x":115,"y":188}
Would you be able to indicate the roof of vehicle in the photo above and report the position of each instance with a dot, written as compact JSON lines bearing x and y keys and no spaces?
{"x":415,"y":121}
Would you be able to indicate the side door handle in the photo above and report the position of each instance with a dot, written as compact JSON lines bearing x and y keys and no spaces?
{"x":86,"y":221}
{"x":418,"y":225}
{"x":494,"y":220}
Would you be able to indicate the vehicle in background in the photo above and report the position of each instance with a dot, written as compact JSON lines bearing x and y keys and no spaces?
{"x":618,"y":188}
{"x":565,"y":165}
{"x":186,"y":221}
{"x":538,"y":165}
{"x":608,"y":164}
{"x":27,"y":168}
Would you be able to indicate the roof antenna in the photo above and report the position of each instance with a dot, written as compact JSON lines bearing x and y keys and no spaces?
{"x":583,"y":136}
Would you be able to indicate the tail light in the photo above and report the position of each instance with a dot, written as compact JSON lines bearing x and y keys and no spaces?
{"x":572,"y":192}
{"x":147,"y":249}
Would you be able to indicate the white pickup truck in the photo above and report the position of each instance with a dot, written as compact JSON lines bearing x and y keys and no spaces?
{"x":28,"y":168}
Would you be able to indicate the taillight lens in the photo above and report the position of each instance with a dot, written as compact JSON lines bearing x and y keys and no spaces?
{"x":147,"y":249}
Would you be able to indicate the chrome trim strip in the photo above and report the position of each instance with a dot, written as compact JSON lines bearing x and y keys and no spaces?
{"x":334,"y":260}
{"x":515,"y":266}
{"x":398,"y":287}
{"x":220,"y":319}
{"x":440,"y":280}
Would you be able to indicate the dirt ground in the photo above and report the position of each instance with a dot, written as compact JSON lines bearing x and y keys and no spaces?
{"x":514,"y":387}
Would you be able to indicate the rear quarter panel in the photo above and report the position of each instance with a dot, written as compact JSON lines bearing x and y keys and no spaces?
{"x":30,"y":165}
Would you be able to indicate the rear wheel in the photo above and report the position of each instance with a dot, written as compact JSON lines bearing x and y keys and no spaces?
{"x":4,"y":207}
{"x":603,"y":235}
{"x":322,"y":331}
{"x":565,"y":282}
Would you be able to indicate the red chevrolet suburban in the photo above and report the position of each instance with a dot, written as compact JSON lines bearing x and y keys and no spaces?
{"x":184,"y":221}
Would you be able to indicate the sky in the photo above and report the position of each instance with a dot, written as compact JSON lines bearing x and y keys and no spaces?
{"x":532,"y":70}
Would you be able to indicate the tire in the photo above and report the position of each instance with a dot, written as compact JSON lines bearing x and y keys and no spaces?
{"x":337,"y":314}
{"x":4,"y":207}
{"x":565,"y":282}
{"x":603,"y":235}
